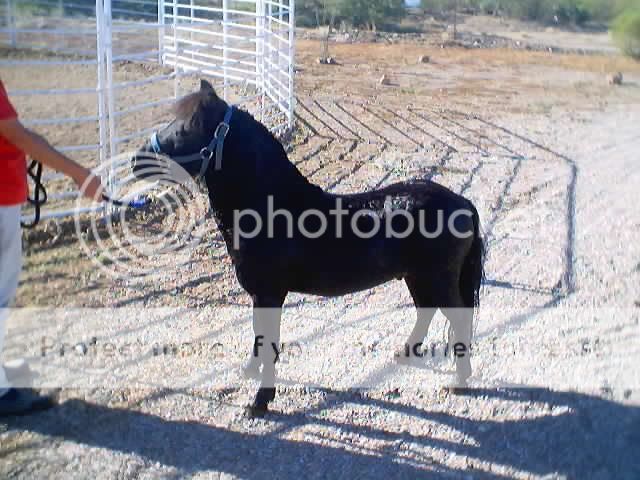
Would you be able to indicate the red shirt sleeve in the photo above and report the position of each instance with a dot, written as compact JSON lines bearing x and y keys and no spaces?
{"x":6,"y":109}
{"x":13,"y":166}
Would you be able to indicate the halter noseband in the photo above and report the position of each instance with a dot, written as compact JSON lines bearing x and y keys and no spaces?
{"x":215,"y":147}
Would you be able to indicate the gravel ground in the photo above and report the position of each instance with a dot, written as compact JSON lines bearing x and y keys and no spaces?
{"x":550,"y":156}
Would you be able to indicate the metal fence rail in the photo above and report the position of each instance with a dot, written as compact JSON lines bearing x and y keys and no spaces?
{"x":246,"y":48}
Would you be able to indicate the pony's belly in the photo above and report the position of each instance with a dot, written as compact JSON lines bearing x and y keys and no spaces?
{"x":340,"y":289}
{"x":341,"y":276}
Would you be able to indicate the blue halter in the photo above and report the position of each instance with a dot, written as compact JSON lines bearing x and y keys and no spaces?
{"x":215,"y":147}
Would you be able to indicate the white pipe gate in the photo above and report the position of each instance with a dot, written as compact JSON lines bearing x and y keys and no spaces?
{"x":96,"y":76}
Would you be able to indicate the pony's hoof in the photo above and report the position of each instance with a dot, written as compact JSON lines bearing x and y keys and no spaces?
{"x":458,"y":390}
{"x":459,"y":387}
{"x":260,"y":405}
{"x":264,"y":396}
{"x":255,"y":411}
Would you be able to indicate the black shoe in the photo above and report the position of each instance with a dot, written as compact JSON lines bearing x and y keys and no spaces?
{"x":23,"y":401}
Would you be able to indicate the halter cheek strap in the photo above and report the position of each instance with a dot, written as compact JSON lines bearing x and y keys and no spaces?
{"x":155,"y":144}
{"x":215,"y":147}
{"x":217,"y":144}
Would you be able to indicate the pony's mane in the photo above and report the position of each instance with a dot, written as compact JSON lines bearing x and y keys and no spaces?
{"x":193,"y":105}
{"x":194,"y":109}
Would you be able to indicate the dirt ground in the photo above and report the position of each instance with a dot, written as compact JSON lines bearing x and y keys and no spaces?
{"x":547,"y":150}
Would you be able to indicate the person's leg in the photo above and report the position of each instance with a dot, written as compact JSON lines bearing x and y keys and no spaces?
{"x":13,"y":401}
{"x":10,"y":267}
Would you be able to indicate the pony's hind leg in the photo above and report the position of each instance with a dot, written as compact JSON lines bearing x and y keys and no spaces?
{"x":444,"y":294}
{"x":423,"y":298}
{"x":461,"y":319}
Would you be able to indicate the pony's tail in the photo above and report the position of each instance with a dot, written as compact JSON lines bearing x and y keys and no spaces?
{"x":472,"y":273}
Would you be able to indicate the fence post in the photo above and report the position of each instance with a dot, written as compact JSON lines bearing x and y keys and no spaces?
{"x":281,"y":29}
{"x":269,"y":45}
{"x":279,"y":64}
{"x":292,"y":61}
{"x":176,"y":62}
{"x":161,"y":32}
{"x":113,"y":133}
{"x":12,"y":24}
{"x":102,"y":120}
{"x":225,"y":44}
{"x":192,"y":14}
{"x":260,"y":54}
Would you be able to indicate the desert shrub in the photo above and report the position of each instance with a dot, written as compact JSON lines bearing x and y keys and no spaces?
{"x":490,"y":7}
{"x":569,"y":11}
{"x":600,"y":10}
{"x":313,"y":13}
{"x":370,"y":13}
{"x":548,"y":11}
{"x":358,"y":13}
{"x":526,"y":9}
{"x":626,"y":32}
{"x":28,"y":8}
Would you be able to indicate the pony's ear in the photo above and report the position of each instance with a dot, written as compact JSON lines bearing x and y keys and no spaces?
{"x":206,"y":87}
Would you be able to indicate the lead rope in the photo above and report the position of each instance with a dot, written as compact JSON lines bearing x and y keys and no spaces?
{"x":39,"y":193}
{"x":34,"y":171}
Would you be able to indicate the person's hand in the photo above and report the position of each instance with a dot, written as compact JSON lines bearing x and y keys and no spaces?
{"x":89,"y":185}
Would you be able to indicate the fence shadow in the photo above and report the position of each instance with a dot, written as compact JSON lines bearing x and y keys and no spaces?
{"x":581,"y":436}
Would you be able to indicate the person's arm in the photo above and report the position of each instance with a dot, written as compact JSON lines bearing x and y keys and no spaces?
{"x":37,"y":147}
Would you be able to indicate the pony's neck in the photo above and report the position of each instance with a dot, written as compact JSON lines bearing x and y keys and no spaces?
{"x":255,"y":166}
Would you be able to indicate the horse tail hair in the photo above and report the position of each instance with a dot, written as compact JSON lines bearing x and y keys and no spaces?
{"x":472,"y":273}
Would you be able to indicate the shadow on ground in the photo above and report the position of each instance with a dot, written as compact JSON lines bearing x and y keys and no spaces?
{"x":591,"y":437}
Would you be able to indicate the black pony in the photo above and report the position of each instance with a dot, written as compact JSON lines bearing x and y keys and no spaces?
{"x":271,"y":218}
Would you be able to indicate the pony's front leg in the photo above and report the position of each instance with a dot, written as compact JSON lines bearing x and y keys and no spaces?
{"x":266,"y":320}
{"x":251,"y":369}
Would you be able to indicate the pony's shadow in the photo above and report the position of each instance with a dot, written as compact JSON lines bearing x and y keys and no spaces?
{"x":582,"y":436}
